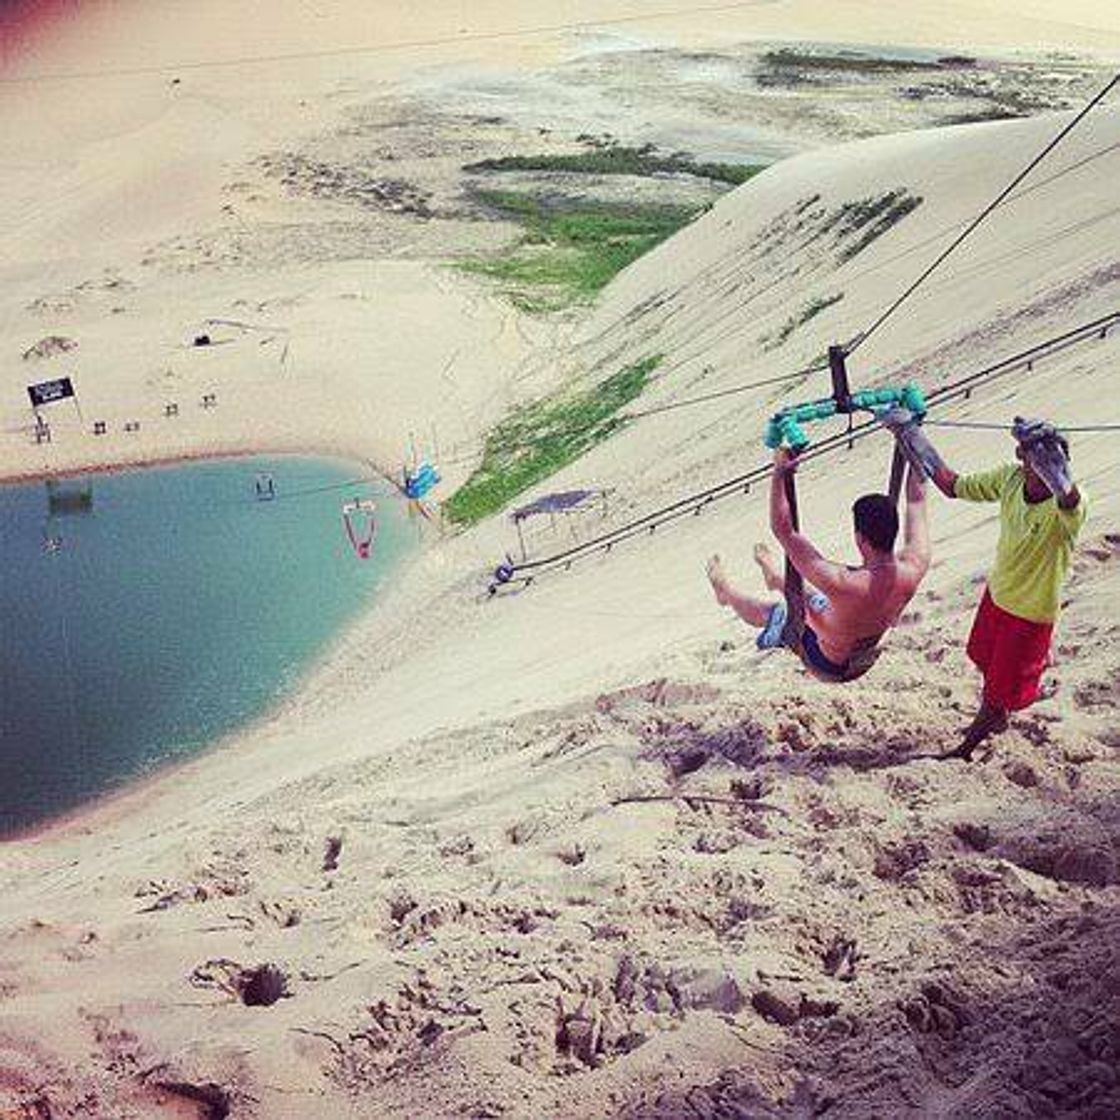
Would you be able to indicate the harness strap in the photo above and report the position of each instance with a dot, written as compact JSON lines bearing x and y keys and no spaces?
{"x":898,"y":466}
{"x":794,"y":628}
{"x":867,"y":652}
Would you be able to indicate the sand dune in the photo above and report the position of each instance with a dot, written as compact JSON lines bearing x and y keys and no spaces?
{"x":578,"y":849}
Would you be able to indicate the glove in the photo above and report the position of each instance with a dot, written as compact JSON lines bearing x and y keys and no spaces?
{"x":1048,"y":460}
{"x":919,"y":452}
{"x":1027,"y":431}
{"x":896,"y":418}
{"x":1042,"y":449}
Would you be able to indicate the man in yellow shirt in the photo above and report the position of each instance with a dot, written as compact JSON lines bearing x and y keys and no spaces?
{"x":1041,"y":514}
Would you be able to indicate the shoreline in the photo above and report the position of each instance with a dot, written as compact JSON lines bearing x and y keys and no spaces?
{"x":116,"y":466}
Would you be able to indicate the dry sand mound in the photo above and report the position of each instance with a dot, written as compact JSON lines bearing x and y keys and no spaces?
{"x":779,"y":899}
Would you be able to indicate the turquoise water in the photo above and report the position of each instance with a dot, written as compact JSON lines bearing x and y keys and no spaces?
{"x":145,"y":614}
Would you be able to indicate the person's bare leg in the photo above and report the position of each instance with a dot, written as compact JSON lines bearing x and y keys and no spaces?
{"x":772,"y":573}
{"x":754,"y":612}
{"x":989,"y":721}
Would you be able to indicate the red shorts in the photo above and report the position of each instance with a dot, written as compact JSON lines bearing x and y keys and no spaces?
{"x":1011,"y":653}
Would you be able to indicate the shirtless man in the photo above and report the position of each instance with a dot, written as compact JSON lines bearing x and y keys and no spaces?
{"x":847,"y":609}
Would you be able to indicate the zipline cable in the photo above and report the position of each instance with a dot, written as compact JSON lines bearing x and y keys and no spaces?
{"x":327,"y":488}
{"x":718,"y":394}
{"x":991,"y":426}
{"x":962,"y":387}
{"x":694,"y":503}
{"x":1070,"y":126}
{"x":704,"y":398}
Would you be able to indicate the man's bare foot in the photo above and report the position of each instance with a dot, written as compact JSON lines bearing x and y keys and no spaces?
{"x":988,"y":721}
{"x":718,"y":579}
{"x":764,"y":558}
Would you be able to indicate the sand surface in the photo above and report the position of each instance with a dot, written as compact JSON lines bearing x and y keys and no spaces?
{"x":576,"y":849}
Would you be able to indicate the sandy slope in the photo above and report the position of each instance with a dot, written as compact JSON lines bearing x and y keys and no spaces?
{"x":436,"y":841}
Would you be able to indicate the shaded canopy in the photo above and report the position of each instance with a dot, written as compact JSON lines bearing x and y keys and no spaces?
{"x":562,"y":502}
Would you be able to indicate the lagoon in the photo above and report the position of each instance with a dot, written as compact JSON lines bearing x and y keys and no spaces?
{"x":146,"y":614}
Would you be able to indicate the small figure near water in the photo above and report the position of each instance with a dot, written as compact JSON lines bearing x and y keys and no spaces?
{"x":418,"y":481}
{"x":265,"y":487}
{"x":848,"y":609}
{"x":360,"y":521}
{"x":1041,"y":514}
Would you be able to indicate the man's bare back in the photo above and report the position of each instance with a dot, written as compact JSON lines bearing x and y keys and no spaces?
{"x":871,"y":602}
{"x":848,"y":609}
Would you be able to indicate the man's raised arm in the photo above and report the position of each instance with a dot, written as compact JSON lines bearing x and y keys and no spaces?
{"x":915,"y":532}
{"x":801,"y":552}
{"x":920,"y":453}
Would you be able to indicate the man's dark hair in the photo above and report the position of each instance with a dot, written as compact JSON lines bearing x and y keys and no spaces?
{"x":877,"y":519}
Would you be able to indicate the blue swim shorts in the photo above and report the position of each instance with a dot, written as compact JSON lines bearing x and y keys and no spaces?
{"x":770,"y":636}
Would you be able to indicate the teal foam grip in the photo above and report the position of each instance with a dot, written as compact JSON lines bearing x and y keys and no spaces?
{"x":913,"y":399}
{"x":785,"y":427}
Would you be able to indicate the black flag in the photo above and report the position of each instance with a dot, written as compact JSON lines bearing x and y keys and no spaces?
{"x":46,"y":392}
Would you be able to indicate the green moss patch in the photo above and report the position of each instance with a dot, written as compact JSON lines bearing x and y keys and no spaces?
{"x":870,"y":218}
{"x":617,"y":159}
{"x":538,"y":439}
{"x":809,"y":311}
{"x":572,"y":248}
{"x":788,"y":67}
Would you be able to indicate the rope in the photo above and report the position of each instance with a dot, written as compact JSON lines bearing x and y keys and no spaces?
{"x":994,"y":427}
{"x":720,"y":393}
{"x":680,"y":362}
{"x":865,"y":335}
{"x":626,"y":417}
{"x":694,"y":503}
{"x":323,"y":489}
{"x":793,"y":632}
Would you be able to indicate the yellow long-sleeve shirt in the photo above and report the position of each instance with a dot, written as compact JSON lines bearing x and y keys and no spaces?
{"x":1036,"y":542}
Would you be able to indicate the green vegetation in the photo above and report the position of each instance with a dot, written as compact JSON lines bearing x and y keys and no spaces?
{"x":981,"y":116}
{"x":615,"y":159}
{"x":809,"y":311}
{"x":786,"y":67}
{"x":540,"y":438}
{"x":572,"y":247}
{"x":997,"y":100}
{"x":575,"y":244}
{"x":870,"y":218}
